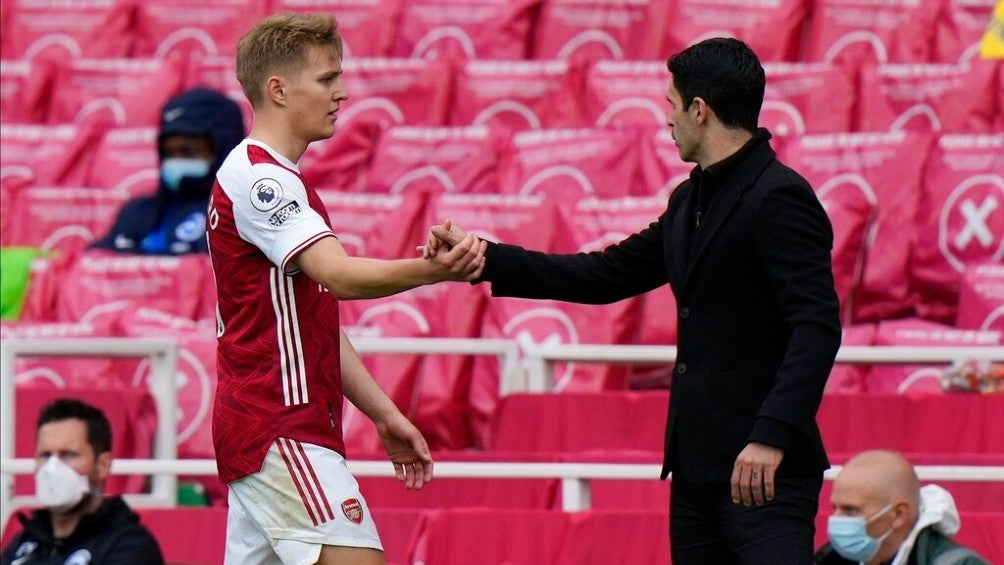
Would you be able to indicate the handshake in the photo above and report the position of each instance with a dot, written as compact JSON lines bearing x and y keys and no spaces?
{"x":458,"y":255}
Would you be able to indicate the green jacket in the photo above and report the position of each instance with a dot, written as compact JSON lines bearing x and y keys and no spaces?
{"x":931,"y":548}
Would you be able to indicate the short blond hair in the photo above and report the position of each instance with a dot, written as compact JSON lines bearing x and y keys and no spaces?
{"x":278,"y":44}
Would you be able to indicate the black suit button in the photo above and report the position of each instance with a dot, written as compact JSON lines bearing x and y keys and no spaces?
{"x":681,"y":369}
{"x":684,"y":312}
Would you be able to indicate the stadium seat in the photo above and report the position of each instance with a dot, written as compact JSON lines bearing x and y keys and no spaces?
{"x":854,"y":33}
{"x":457,"y":493}
{"x":59,"y":31}
{"x":115,"y":92}
{"x":62,"y":218}
{"x":863,"y":170}
{"x":980,"y":306}
{"x":101,"y":285}
{"x":220,"y":74}
{"x":367,"y":28}
{"x":437,"y":160}
{"x":626,"y":93}
{"x":126,"y":160}
{"x":186,"y":534}
{"x":933,"y":98}
{"x":46,"y":154}
{"x":808,"y":98}
{"x":959,"y":219}
{"x":382,"y":226}
{"x":518,"y":95}
{"x":912,"y":378}
{"x":24,"y":91}
{"x":572,"y":163}
{"x":591,"y":30}
{"x":958,"y":30}
{"x":695,"y":20}
{"x":186,"y":28}
{"x":517,"y":536}
{"x":472,"y":29}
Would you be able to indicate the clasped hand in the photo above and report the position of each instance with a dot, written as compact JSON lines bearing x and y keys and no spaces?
{"x":459,"y":252}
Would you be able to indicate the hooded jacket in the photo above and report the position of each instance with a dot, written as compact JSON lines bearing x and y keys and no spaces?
{"x":180,"y":217}
{"x":928,"y":542}
{"x":112,"y":535}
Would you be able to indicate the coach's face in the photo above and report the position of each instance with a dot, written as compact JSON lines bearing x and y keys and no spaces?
{"x":316,"y":93}
{"x":681,"y":122}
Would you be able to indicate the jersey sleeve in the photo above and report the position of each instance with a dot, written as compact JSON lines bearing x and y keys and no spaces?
{"x":276,"y":217}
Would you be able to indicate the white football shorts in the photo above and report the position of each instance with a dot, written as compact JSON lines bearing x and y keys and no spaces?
{"x":303,"y":498}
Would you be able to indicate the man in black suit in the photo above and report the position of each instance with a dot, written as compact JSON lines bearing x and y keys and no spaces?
{"x":745,"y":246}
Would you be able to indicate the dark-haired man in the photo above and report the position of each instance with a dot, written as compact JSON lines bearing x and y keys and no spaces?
{"x":79,"y":525}
{"x":745,"y":246}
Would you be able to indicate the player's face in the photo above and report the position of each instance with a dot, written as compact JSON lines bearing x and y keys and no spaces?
{"x":682,"y":124}
{"x":316,"y":94}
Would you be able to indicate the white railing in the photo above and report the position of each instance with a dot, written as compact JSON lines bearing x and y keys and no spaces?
{"x":539,"y":359}
{"x":575,"y":477}
{"x":533,"y":373}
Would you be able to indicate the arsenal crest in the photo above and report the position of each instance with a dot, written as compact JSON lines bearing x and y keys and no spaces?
{"x":353,"y":510}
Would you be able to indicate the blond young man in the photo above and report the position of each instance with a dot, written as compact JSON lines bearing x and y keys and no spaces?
{"x":284,"y":364}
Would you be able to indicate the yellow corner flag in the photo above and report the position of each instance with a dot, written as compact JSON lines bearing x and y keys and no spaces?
{"x":992,"y":44}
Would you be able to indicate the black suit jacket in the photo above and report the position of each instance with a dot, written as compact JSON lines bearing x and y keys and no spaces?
{"x":757,"y":312}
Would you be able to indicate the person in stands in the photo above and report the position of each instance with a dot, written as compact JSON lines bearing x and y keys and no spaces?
{"x":78,"y":524}
{"x":198,"y":128}
{"x":882,"y":515}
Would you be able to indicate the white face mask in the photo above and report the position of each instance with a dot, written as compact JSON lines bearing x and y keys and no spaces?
{"x":59,"y":486}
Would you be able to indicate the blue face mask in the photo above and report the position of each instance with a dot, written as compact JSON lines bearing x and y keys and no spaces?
{"x":849,"y":536}
{"x":174,"y":169}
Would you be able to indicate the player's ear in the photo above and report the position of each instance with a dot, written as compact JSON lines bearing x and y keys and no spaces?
{"x":275,"y":90}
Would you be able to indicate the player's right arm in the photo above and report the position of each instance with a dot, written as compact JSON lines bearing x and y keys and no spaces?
{"x":348,"y":277}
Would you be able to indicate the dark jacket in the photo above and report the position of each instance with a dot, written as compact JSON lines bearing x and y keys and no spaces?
{"x":110,"y":536}
{"x":931,"y":548}
{"x":181,"y":215}
{"x":757,"y":311}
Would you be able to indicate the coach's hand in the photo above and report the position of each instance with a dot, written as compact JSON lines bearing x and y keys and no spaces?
{"x":753,"y":474}
{"x":407,"y":450}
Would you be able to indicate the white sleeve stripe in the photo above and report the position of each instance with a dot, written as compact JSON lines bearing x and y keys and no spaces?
{"x":306,"y":243}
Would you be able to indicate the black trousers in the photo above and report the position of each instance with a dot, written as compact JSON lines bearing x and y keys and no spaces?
{"x":707,"y":528}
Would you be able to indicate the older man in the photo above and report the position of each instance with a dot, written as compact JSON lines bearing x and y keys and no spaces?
{"x":881,"y":515}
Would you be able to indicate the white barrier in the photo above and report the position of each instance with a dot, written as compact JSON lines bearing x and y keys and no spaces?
{"x":575,"y":477}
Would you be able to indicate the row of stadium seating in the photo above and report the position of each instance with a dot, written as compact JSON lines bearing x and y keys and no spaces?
{"x":810,"y":30}
{"x":519,"y":95}
{"x":911,"y":212}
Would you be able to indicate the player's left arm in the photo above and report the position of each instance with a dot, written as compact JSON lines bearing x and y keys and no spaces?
{"x":404,"y":444}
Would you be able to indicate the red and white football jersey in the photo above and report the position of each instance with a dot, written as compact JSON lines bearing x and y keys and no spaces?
{"x":278,"y":353}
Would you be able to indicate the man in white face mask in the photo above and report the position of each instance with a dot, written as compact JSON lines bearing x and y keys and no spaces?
{"x":881,"y":515}
{"x":78,"y":524}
